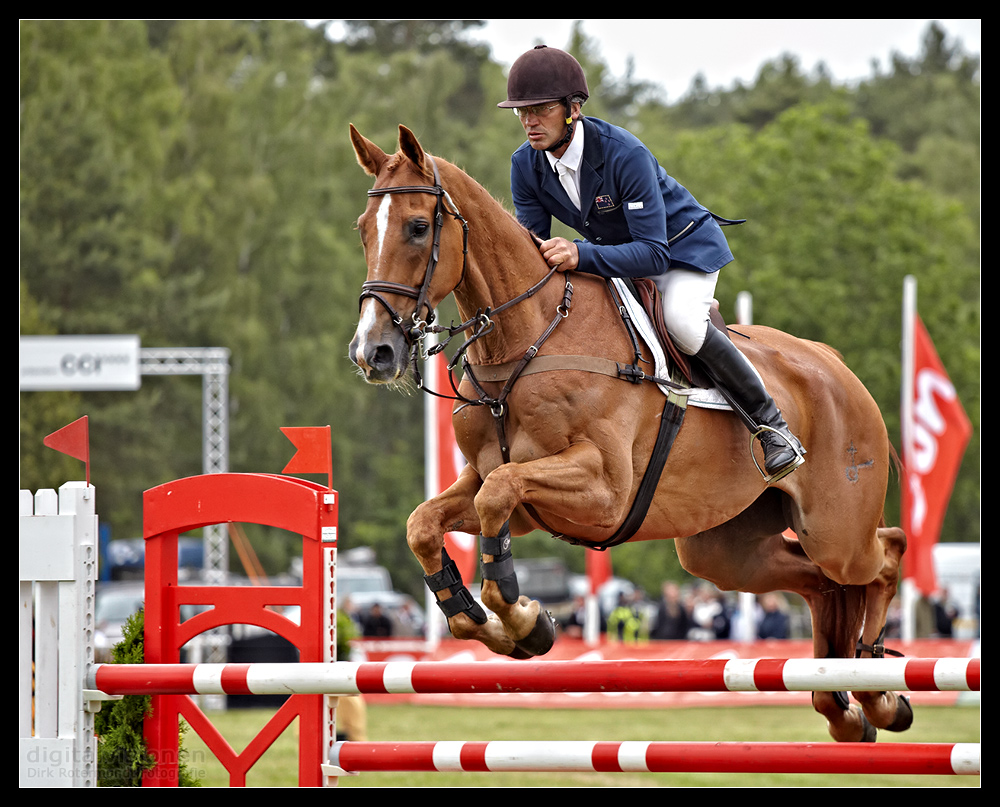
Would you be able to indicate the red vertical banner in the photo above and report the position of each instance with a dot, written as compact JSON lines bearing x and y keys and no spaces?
{"x":936,"y":433}
{"x":598,"y":569}
{"x":444,"y":462}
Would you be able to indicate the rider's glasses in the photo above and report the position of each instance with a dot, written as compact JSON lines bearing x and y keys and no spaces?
{"x":534,"y":111}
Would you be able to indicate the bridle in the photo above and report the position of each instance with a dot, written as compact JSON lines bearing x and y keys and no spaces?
{"x":376,"y":288}
{"x":480,"y":324}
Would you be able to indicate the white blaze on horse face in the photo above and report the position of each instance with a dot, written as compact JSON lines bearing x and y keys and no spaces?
{"x":367,"y":322}
{"x":382,"y":224}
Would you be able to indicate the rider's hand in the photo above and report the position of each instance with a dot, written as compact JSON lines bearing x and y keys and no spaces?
{"x":560,"y":253}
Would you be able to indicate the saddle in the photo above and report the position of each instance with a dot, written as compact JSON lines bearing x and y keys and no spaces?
{"x":648,"y":295}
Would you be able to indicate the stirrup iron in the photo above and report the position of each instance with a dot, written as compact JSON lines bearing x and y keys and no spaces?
{"x":789,"y":440}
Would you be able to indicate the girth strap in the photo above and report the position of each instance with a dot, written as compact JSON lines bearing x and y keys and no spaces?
{"x":670,"y":424}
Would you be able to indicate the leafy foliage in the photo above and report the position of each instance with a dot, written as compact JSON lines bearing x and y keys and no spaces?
{"x":122,"y":756}
{"x":192,"y":182}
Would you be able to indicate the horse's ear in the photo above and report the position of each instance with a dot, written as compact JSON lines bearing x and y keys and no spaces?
{"x":409,"y":146}
{"x":370,"y":156}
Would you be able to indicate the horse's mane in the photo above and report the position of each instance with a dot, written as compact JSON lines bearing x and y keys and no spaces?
{"x":483,"y":193}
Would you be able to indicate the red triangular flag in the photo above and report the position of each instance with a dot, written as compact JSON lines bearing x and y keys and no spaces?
{"x":314,"y":454}
{"x":73,"y":440}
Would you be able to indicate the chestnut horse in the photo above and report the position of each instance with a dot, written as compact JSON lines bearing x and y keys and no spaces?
{"x":566,"y":449}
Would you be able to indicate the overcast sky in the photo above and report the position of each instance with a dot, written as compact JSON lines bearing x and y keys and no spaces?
{"x":671,"y":53}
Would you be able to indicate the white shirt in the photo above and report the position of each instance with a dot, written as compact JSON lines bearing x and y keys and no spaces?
{"x":568,"y":166}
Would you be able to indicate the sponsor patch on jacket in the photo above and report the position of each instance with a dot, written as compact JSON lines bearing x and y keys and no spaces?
{"x":604,"y":203}
{"x":635,"y":205}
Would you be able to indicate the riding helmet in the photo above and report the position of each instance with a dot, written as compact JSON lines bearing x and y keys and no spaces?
{"x":544,"y":74}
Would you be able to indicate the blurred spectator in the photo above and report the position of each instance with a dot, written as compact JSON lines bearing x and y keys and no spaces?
{"x":347,"y":607}
{"x":573,"y":626}
{"x":709,"y":616}
{"x":411,"y":623}
{"x":774,"y":620}
{"x":672,"y":618}
{"x":376,"y":624}
{"x":945,"y":614}
{"x":627,"y":622}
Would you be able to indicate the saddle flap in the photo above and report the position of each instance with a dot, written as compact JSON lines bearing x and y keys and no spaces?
{"x":650,"y":298}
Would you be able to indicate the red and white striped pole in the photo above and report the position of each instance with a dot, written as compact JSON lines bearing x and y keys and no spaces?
{"x":658,"y":757}
{"x":659,"y":675}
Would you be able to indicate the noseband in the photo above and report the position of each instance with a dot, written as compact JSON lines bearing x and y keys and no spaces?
{"x":376,"y":288}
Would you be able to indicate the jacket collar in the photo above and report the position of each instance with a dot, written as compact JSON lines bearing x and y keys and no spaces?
{"x":590,"y":166}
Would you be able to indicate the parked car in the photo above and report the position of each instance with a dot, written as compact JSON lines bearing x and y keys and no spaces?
{"x":114,"y":603}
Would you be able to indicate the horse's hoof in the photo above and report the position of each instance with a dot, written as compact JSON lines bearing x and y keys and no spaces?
{"x":518,"y":654}
{"x":904,"y":715}
{"x":541,"y":638}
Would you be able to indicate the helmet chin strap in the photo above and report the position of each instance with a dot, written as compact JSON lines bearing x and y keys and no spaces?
{"x":570,"y":126}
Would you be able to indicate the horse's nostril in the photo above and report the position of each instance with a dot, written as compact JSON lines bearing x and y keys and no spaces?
{"x":382,"y":357}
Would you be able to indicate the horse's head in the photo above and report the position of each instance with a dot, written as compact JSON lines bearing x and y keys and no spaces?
{"x":414,"y":252}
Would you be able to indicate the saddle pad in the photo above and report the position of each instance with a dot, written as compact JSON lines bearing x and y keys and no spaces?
{"x":705,"y":398}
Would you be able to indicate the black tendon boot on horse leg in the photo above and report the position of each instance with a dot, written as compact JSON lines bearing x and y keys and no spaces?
{"x":741,"y":386}
{"x":460,"y":600}
{"x":500,"y":569}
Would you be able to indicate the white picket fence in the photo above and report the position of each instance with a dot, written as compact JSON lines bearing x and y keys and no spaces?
{"x":57,"y":563}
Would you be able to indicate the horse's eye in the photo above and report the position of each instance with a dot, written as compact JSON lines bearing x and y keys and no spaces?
{"x":419,"y":228}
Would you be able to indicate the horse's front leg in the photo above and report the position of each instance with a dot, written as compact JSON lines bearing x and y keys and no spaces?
{"x":453,"y":510}
{"x":564,"y":487}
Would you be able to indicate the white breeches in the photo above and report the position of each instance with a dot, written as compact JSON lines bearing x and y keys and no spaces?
{"x":687,"y":299}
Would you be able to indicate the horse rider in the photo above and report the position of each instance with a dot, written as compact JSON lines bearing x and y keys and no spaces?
{"x":636,"y":220}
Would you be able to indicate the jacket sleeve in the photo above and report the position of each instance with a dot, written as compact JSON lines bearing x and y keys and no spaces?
{"x":633,"y":241}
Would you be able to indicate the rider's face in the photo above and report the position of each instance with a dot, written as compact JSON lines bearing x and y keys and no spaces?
{"x":545,"y":124}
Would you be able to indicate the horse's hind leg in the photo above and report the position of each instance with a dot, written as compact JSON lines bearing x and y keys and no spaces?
{"x":750,"y":554}
{"x":837,"y":616}
{"x":886,"y":710}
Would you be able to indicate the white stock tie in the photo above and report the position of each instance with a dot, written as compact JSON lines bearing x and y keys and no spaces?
{"x":567,"y":178}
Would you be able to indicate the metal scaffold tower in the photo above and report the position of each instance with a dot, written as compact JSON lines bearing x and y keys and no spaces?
{"x":212,"y":364}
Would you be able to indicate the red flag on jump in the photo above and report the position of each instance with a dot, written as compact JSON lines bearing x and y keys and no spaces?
{"x":73,"y":440}
{"x":314,"y":454}
{"x":937,"y":434}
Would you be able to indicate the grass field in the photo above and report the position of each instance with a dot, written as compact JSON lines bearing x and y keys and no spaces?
{"x":278,"y":767}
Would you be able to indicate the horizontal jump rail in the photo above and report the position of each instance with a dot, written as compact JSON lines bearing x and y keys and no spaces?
{"x":436,"y":677}
{"x":658,"y":757}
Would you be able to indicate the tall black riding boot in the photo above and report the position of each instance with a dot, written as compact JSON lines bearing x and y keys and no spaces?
{"x":742,"y":388}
